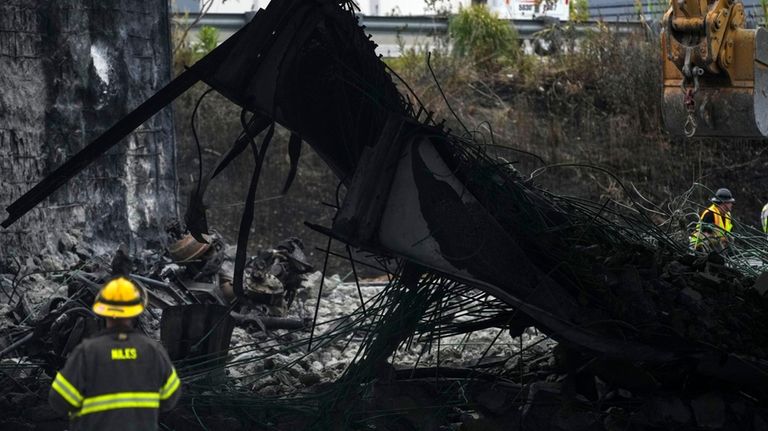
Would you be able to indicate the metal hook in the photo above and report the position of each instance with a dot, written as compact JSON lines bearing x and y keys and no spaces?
{"x":690,"y":126}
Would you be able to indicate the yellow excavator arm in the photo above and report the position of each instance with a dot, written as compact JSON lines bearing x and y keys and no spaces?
{"x":715,"y":71}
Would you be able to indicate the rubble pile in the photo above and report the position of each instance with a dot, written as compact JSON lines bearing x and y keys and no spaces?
{"x":46,"y":308}
{"x":684,"y":302}
{"x":266,"y":356}
{"x":471,"y":356}
{"x":551,"y":386}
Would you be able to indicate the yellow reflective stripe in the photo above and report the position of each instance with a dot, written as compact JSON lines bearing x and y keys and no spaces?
{"x":64,"y":394}
{"x":121,"y":400}
{"x":723,"y":221}
{"x":721,"y":226}
{"x":764,"y":218}
{"x":62,"y":385}
{"x":119,"y":396}
{"x":170,"y":386}
{"x":167,"y":393}
{"x":126,"y":404}
{"x":170,"y":380}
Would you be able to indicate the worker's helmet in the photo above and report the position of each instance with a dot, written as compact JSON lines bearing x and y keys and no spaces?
{"x":723,"y":196}
{"x":120,"y":299}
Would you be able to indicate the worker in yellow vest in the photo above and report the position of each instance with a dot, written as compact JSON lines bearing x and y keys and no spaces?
{"x":712,"y":231}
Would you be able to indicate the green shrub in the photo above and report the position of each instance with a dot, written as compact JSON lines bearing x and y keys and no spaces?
{"x":579,"y":10}
{"x":207,"y":40}
{"x":481,"y":36}
{"x":185,"y":53}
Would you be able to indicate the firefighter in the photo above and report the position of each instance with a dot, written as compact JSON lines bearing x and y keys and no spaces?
{"x":119,"y":379}
{"x":714,"y":224}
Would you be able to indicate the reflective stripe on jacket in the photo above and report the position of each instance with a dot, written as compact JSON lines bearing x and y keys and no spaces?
{"x":764,"y":218}
{"x":722,"y":225}
{"x":116,"y":380}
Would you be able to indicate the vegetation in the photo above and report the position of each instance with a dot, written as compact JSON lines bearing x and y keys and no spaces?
{"x":207,"y":40}
{"x":764,"y":8}
{"x":579,"y":10}
{"x":186,"y":53}
{"x":478,"y":35}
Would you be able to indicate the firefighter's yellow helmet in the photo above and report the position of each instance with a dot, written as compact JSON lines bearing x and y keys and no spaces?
{"x":120,"y":299}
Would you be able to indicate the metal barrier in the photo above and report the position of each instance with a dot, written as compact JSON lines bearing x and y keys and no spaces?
{"x":401,"y":25}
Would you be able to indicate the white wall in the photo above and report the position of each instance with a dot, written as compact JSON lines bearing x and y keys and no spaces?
{"x":233,"y":6}
{"x":367,"y":7}
{"x":408,"y":7}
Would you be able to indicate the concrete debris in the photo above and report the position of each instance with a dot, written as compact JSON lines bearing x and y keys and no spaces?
{"x":709,"y":410}
{"x":546,"y":386}
{"x":46,"y":316}
{"x":760,"y":424}
{"x":312,"y":284}
{"x":667,"y":411}
{"x":761,"y":284}
{"x":543,"y":402}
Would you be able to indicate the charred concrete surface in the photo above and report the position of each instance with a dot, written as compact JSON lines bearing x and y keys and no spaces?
{"x":70,"y":69}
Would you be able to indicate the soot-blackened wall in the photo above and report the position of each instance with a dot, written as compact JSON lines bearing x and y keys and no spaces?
{"x":69,"y":69}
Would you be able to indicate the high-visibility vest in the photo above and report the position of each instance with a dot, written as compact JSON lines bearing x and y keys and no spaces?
{"x":764,"y":218}
{"x":722,"y":224}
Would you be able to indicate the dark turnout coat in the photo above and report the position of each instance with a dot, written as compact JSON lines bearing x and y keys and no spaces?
{"x":118,"y":380}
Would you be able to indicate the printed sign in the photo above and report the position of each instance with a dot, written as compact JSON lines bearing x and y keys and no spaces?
{"x":530,"y":9}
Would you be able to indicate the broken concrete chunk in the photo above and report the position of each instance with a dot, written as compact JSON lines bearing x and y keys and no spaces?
{"x":761,"y":284}
{"x":667,"y":411}
{"x":568,"y":419}
{"x":760,"y":424}
{"x":676,"y":268}
{"x":543,"y":402}
{"x":17,"y":425}
{"x":739,"y":408}
{"x":492,"y":400}
{"x":616,"y":419}
{"x":41,"y":413}
{"x":708,"y":279}
{"x":309,"y":379}
{"x":690,"y":297}
{"x":312,"y":284}
{"x":709,"y":410}
{"x":66,"y":242}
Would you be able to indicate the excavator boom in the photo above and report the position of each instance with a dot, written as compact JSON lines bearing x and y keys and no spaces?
{"x":715,"y":71}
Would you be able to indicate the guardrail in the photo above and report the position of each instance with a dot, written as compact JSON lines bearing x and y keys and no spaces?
{"x":404,"y":25}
